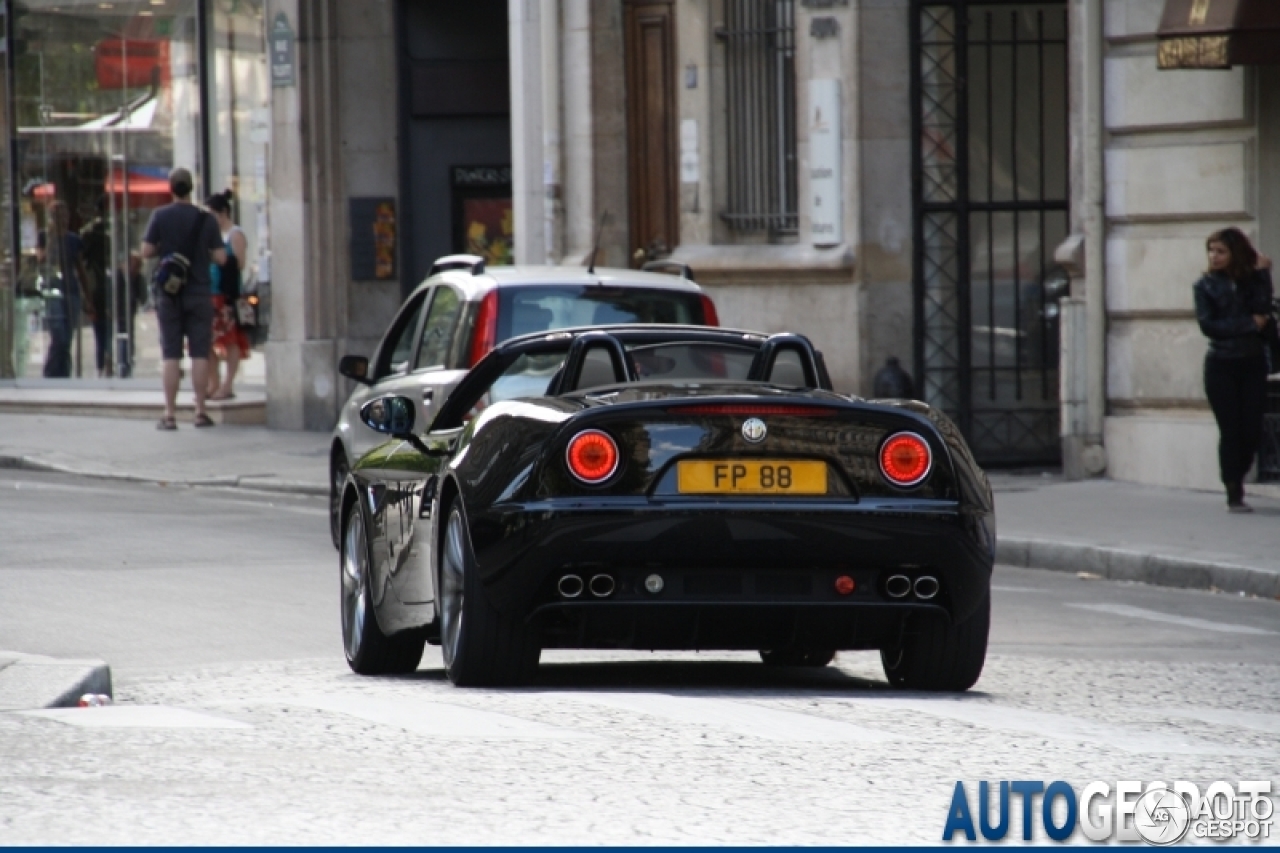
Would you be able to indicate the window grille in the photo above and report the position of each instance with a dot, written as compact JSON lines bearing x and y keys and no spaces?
{"x":760,"y":85}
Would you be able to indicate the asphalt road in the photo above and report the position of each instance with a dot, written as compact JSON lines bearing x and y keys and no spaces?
{"x":237,"y":721}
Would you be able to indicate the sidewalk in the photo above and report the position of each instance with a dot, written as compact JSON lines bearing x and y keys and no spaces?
{"x":1107,"y":528}
{"x":1124,"y":531}
{"x":251,"y":457}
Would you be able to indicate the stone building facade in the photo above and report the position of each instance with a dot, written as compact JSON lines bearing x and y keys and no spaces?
{"x":1011,"y":198}
{"x":1184,"y":152}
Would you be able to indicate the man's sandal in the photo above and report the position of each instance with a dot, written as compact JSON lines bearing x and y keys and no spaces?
{"x":203,"y":420}
{"x":167,"y":423}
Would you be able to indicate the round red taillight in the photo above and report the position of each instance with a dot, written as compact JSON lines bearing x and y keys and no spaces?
{"x":905,"y":459}
{"x":592,"y":456}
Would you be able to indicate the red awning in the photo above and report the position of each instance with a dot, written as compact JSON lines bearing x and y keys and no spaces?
{"x":144,"y":190}
{"x":132,"y":63}
{"x":1218,"y":33}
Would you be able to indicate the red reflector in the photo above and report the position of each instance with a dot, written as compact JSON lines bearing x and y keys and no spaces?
{"x":750,"y":409}
{"x":709,"y":315}
{"x":845,"y":585}
{"x":485,"y":333}
{"x":905,"y":459}
{"x":592,"y":456}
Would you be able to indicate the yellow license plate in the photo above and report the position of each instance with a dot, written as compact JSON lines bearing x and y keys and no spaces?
{"x":751,"y":477}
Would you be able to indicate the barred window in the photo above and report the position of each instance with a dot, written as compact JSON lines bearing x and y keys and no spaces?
{"x":760,"y":109}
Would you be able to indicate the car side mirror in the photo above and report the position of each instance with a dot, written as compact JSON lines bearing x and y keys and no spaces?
{"x":355,"y":367}
{"x":392,"y":416}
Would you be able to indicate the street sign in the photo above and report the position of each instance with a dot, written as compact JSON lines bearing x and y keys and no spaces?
{"x":282,"y":53}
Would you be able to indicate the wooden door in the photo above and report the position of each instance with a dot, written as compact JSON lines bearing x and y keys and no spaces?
{"x":651,"y":126}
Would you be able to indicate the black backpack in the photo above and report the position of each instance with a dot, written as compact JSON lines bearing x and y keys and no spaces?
{"x":174,"y":269}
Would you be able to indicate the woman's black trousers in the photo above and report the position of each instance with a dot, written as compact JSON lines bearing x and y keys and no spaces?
{"x":1237,"y":391}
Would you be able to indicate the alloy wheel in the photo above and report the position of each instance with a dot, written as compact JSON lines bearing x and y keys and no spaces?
{"x":451,"y":588}
{"x":337,"y":481}
{"x":355,"y":598}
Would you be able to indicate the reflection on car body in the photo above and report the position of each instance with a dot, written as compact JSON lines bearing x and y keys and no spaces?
{"x":665,"y":487}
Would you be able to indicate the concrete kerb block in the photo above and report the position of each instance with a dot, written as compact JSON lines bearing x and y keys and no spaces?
{"x":1096,"y":561}
{"x":1059,"y":556}
{"x":1243,"y":579}
{"x":231,"y":481}
{"x":1176,"y":572}
{"x":1123,"y":564}
{"x":1128,"y":565}
{"x":30,"y":682}
{"x":1011,"y":552}
{"x":293,"y":487}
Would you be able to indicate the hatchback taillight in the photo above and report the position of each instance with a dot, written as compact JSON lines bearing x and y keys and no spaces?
{"x":709,"y":315}
{"x":905,"y":459}
{"x":485,"y":332}
{"x":592,"y":456}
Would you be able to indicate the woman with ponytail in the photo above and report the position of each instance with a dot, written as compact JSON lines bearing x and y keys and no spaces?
{"x":230,"y":343}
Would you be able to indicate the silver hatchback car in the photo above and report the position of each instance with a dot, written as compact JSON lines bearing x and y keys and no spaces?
{"x":464,"y":309}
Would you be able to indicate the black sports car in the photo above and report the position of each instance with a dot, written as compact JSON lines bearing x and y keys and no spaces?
{"x":665,"y":487}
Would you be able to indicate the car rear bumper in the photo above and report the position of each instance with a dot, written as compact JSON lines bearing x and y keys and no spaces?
{"x":741,"y":562}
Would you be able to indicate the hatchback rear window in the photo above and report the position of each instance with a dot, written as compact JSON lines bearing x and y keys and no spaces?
{"x":543,"y":308}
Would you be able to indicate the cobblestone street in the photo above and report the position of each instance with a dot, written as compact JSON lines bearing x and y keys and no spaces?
{"x":711,"y":750}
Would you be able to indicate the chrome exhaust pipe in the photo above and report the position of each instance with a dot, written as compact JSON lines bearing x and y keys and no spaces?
{"x":897,"y":586}
{"x":570,"y":586}
{"x":601,"y":586}
{"x":926,"y":587}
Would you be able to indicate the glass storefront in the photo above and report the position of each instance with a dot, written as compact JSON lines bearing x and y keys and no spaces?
{"x":105,"y":98}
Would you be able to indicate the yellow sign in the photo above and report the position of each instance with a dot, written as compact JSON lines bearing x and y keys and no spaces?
{"x":1193,"y":52}
{"x":1199,"y":12}
{"x":751,"y":477}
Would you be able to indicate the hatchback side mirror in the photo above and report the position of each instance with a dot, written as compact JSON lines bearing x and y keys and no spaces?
{"x":355,"y":367}
{"x":392,"y":416}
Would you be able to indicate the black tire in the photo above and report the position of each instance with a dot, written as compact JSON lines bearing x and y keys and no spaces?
{"x":481,"y":646}
{"x":797,"y":657}
{"x":368,"y":650}
{"x":338,"y":469}
{"x":935,"y":654}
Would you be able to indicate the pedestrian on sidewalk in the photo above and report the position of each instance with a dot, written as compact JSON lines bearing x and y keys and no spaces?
{"x":65,"y":289}
{"x":183,"y":229}
{"x":1233,"y":306}
{"x":97,"y":258}
{"x":131,"y":295}
{"x":230,"y":343}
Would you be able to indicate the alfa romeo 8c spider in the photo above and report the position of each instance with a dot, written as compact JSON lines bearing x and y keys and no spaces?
{"x":657,"y":487}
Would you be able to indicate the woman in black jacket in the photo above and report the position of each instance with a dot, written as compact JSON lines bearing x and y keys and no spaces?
{"x":1233,"y":305}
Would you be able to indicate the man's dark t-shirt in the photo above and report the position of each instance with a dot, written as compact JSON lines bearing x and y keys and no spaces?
{"x":170,"y":231}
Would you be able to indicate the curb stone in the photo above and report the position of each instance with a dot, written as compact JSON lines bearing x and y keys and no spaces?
{"x":27,"y":463}
{"x":1129,"y":565}
{"x":31,"y":682}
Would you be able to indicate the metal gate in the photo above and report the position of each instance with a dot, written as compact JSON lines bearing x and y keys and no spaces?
{"x":990,"y":190}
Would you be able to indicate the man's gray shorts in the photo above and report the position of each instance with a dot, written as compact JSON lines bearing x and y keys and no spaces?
{"x":188,"y":315}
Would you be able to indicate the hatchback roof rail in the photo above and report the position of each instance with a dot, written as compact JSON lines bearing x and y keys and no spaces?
{"x":474,"y":263}
{"x":669,"y":266}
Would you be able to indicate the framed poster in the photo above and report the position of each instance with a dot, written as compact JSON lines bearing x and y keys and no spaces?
{"x":482,"y":216}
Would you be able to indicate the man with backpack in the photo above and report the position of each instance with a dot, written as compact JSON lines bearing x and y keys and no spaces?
{"x":186,"y":239}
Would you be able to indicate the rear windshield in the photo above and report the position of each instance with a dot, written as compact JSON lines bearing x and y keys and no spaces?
{"x":530,"y":375}
{"x":523,"y":310}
